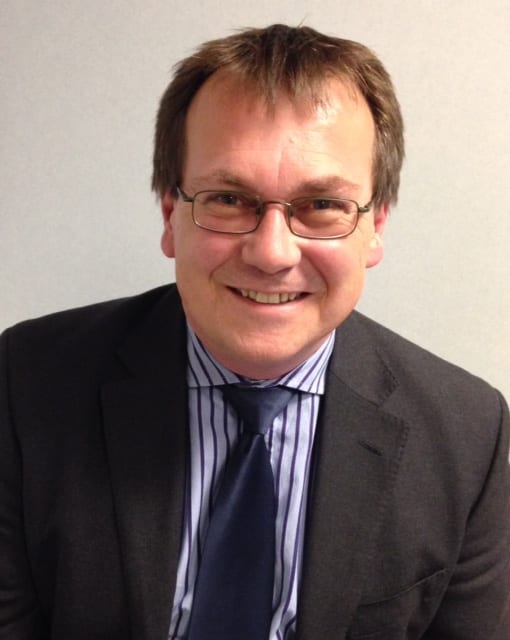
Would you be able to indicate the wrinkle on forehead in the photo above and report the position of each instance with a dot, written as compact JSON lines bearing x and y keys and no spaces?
{"x":291,"y":136}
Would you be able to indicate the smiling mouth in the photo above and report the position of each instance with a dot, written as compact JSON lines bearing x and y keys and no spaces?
{"x":269,"y":298}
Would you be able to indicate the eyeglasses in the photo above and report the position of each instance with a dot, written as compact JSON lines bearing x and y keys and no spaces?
{"x":235,"y":212}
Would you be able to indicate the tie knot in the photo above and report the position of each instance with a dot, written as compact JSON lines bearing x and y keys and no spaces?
{"x":257,"y":406}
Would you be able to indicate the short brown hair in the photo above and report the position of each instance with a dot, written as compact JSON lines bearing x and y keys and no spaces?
{"x":297,"y":60}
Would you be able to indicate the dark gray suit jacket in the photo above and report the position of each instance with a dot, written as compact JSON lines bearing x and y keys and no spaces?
{"x":408,"y":532}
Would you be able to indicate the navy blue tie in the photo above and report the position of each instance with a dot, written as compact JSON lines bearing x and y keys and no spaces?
{"x":234,"y":589}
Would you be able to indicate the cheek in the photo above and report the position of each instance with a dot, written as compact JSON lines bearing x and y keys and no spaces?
{"x":199,"y":253}
{"x":340,"y":261}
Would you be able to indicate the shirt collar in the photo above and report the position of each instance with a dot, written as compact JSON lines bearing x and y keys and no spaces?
{"x":206,"y":371}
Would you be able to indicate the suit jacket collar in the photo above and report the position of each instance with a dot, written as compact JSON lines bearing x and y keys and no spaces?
{"x":357,"y":452}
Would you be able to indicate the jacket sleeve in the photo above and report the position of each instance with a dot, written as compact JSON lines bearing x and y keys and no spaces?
{"x":477,"y":601}
{"x":20,"y":615}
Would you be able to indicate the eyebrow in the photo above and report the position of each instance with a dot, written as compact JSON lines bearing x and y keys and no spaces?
{"x":225,"y":177}
{"x":323,"y":184}
{"x":326,"y":184}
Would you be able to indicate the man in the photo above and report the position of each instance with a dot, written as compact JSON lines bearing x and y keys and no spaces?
{"x":277,"y":156}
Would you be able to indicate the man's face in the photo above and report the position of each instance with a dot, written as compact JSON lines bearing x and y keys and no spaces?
{"x":300,"y":289}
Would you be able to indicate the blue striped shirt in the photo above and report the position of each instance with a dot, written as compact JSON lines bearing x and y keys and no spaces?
{"x":214,"y":430}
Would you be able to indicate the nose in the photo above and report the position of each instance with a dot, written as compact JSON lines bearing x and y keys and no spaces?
{"x":272,"y":247}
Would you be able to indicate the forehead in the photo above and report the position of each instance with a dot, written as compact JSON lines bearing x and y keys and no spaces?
{"x":225,"y":92}
{"x":230,"y":127}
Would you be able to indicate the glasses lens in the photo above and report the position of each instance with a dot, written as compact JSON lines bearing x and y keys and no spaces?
{"x":323,"y":217}
{"x":225,"y":211}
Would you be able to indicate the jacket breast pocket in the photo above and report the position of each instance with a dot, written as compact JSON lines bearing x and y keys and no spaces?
{"x":402,"y":616}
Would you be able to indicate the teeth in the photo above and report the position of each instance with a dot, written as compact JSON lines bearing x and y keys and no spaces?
{"x":268,"y":298}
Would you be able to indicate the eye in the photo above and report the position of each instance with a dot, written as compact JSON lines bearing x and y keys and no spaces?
{"x":222,"y":198}
{"x":321,"y":204}
{"x":333,"y":206}
{"x":229,"y":200}
{"x":329,"y":204}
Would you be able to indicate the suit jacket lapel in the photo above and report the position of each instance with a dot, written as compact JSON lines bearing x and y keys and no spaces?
{"x":358,"y":449}
{"x":357,"y":454}
{"x":145,"y":418}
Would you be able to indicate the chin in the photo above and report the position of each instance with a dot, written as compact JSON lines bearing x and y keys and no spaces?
{"x":267,"y":360}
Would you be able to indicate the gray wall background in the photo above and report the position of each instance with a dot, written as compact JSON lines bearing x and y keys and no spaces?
{"x":80,"y":83}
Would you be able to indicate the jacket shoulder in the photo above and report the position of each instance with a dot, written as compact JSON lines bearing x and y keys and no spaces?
{"x":414,"y":366}
{"x":82,"y":336}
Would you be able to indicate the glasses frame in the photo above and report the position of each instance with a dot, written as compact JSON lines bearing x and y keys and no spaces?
{"x":261,"y":207}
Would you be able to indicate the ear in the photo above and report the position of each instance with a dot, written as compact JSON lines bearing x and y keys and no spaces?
{"x":376,"y":247}
{"x":167,"y":239}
